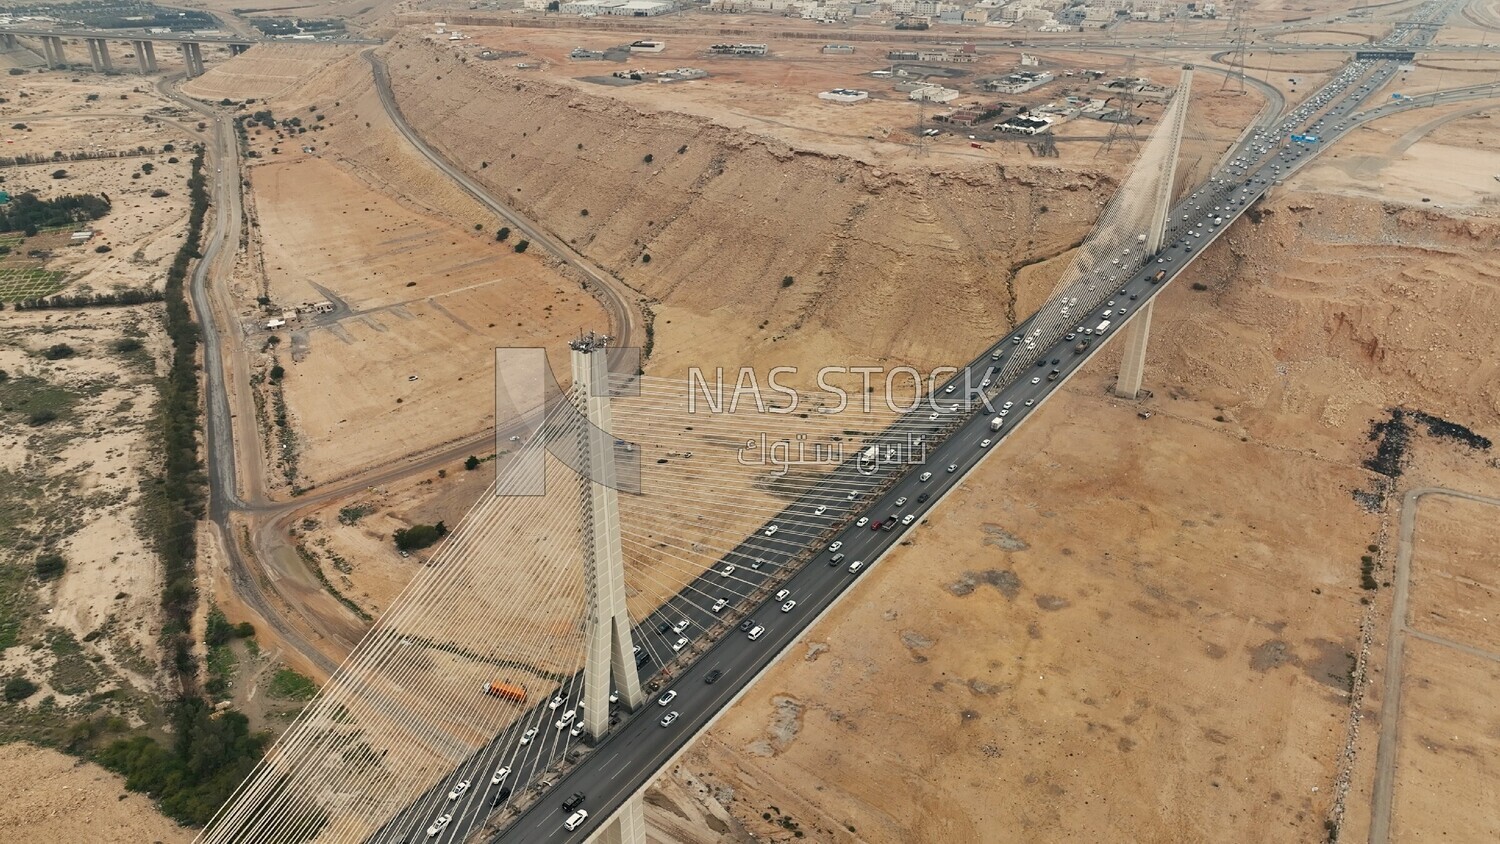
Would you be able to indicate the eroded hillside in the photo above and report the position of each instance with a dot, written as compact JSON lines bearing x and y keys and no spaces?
{"x":765,"y":242}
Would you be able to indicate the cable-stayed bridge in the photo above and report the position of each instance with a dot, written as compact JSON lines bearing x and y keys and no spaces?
{"x":656,"y":519}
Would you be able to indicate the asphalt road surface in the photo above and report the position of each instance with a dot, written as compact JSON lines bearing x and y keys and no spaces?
{"x":635,"y":750}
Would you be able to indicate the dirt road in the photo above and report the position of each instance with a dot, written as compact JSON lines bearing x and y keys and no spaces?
{"x":1390,"y":708}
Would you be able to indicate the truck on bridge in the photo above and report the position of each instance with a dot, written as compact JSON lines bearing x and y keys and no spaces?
{"x":506,"y":691}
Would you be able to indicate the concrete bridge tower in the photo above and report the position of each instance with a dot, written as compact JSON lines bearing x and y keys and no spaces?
{"x":1138,"y":330}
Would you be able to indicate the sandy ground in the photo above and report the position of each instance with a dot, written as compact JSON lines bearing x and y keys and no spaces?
{"x":52,"y":797}
{"x":264,"y":72}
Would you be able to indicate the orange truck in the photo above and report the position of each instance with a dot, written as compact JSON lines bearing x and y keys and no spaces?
{"x":508,"y":691}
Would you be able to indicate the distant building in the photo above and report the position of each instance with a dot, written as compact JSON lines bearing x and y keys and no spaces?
{"x":838,"y":49}
{"x":535,"y":5}
{"x":1019,"y":82}
{"x":1024,"y":124}
{"x":739,"y":50}
{"x":934,"y":94}
{"x":845,"y":96}
{"x":647,"y":46}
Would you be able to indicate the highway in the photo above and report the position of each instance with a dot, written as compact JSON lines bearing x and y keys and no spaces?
{"x":186,"y":37}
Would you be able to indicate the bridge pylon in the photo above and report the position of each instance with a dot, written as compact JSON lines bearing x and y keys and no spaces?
{"x":628,"y":826}
{"x":1138,"y":330}
{"x":609,"y":658}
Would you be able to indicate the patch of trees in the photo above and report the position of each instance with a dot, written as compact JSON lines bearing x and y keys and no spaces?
{"x":50,"y":566}
{"x":178,"y":495}
{"x":419,"y":536}
{"x":209,"y":755}
{"x":19,"y":688}
{"x":80,"y":155}
{"x":26,"y":212}
{"x":132,"y":296}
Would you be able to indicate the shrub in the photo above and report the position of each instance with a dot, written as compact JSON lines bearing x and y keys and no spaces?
{"x":59,"y":174}
{"x":148,"y":168}
{"x":583,"y":212}
{"x":50,"y":566}
{"x":172,"y":160}
{"x":645,"y":258}
{"x":503,"y":234}
{"x":126,"y":345}
{"x":278,"y":372}
{"x":682,"y":149}
{"x":102,"y":249}
{"x":649,"y":158}
{"x":787,"y":281}
{"x":158,"y":193}
{"x":472,"y":463}
{"x":19,"y":688}
{"x":58,"y":351}
{"x":419,"y":536}
{"x":1198,"y":285}
{"x":19,"y":127}
{"x":521,"y":245}
{"x":244,"y":630}
{"x":41,"y":417}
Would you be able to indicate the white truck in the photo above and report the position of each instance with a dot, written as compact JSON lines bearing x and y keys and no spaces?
{"x":996,"y":423}
{"x":1101,"y":327}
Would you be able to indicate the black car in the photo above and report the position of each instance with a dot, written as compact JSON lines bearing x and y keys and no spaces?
{"x":923,"y":497}
{"x":664,"y":627}
{"x":713,"y":676}
{"x":642,"y":658}
{"x":573,"y":802}
{"x":500,"y":798}
{"x":746,"y":625}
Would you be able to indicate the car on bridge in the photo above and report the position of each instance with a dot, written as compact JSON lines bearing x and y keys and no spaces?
{"x":527,"y":736}
{"x":713,"y":677}
{"x":438,"y":825}
{"x":720,"y":604}
{"x":667,"y":698}
{"x":458,"y":790}
{"x":499,"y":776}
{"x":666,"y":720}
{"x":575,"y":820}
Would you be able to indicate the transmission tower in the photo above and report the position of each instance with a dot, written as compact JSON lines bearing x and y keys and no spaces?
{"x":921,"y":147}
{"x":1123,"y":127}
{"x":1237,"y":32}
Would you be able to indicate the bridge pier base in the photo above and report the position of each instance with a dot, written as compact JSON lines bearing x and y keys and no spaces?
{"x":236,"y":49}
{"x":7,"y":41}
{"x":145,"y":56}
{"x":99,"y":55}
{"x":192,"y":56}
{"x":1133,"y":363}
{"x":52,"y":51}
{"x":628,"y":825}
{"x":609,"y":658}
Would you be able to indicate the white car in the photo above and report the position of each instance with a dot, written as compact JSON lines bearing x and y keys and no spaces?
{"x":458,"y":790}
{"x":666,"y":720}
{"x":679,"y":645}
{"x":1008,"y":405}
{"x":908,"y":519}
{"x":821,"y":509}
{"x":566,"y":719}
{"x":1036,"y":380}
{"x":680,"y":626}
{"x":836,"y":545}
{"x":575,"y":820}
{"x":720,"y":604}
{"x":951,"y":388}
{"x":577,"y":728}
{"x":984,"y":443}
{"x":557,"y":701}
{"x":781,"y":596}
{"x":932,"y":417}
{"x":900,"y":501}
{"x":787,"y":607}
{"x":614,"y":696}
{"x":727,"y":570}
{"x":527,"y":736}
{"x":500,"y":776}
{"x":771,"y":531}
{"x":863,"y":520}
{"x":667,"y":698}
{"x":438,"y":826}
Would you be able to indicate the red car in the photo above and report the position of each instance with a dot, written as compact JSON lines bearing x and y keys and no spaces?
{"x":875,"y":525}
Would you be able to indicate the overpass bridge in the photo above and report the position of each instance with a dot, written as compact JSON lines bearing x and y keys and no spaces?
{"x":727,"y":565}
{"x":144,"y":45}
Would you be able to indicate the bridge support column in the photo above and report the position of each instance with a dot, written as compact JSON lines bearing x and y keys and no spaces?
{"x":99,"y":55}
{"x":236,"y":49}
{"x":1138,"y":329}
{"x":192,"y":55}
{"x":7,"y":41}
{"x":1133,"y":363}
{"x":52,"y":51}
{"x":609,"y":660}
{"x":145,"y":56}
{"x":627,"y":827}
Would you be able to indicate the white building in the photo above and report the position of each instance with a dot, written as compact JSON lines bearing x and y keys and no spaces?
{"x":535,"y":5}
{"x":934,"y":94}
{"x":647,"y":46}
{"x":845,"y":96}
